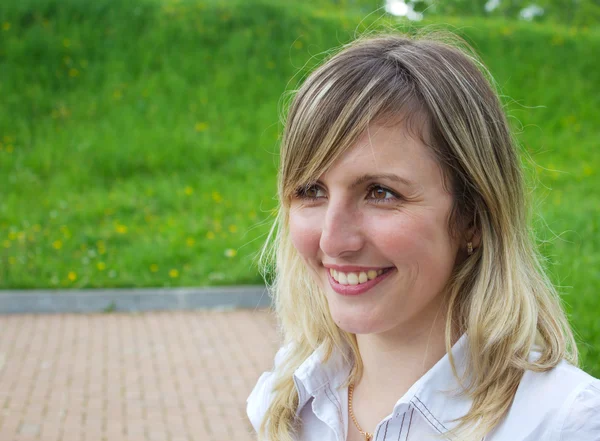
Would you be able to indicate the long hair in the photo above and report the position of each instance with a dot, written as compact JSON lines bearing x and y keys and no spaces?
{"x":500,"y":296}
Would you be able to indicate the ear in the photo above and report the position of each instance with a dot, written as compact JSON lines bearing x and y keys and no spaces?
{"x":473,"y":234}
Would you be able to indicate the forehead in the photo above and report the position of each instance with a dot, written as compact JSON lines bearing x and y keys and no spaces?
{"x":387,"y":150}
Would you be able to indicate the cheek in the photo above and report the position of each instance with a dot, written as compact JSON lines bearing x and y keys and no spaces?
{"x":414,"y":240}
{"x":399,"y":236}
{"x":305,"y":232}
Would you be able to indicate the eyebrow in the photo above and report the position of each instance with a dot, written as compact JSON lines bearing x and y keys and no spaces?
{"x":390,"y":176}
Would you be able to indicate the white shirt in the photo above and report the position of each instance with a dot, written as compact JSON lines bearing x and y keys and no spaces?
{"x":562,"y":404}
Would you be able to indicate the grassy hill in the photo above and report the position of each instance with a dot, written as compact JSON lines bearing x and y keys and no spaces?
{"x":138,"y":139}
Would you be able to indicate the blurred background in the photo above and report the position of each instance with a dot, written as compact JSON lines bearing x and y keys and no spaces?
{"x":139,"y":138}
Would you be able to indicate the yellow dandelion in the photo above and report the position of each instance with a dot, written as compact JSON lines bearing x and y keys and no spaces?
{"x":6,"y":26}
{"x":6,"y":243}
{"x":210,"y":235}
{"x":21,"y":236}
{"x":73,"y":72}
{"x":57,"y":244}
{"x":9,"y":148}
{"x":101,"y":266}
{"x":72,"y":276}
{"x":121,"y":229}
{"x":188,"y":190}
{"x":587,"y":170}
{"x":173,"y":274}
{"x":216,"y":196}
{"x":66,"y":42}
{"x":12,"y":260}
{"x":557,"y":199}
{"x":12,"y":235}
{"x":558,"y":40}
{"x":232,"y":228}
{"x":190,"y":241}
{"x":230,"y":252}
{"x":200,"y":126}
{"x":154,"y":267}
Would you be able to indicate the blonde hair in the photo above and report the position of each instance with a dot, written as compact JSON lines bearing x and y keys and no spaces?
{"x":500,"y":296}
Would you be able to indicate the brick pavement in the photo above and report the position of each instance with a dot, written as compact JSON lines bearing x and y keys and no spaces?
{"x":162,"y":376}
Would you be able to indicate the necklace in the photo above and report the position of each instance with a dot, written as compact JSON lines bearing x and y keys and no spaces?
{"x":368,"y":436}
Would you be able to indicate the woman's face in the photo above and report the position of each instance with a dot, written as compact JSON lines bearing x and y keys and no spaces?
{"x":373,"y":230}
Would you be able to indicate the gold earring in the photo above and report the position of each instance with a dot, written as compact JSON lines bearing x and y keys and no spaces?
{"x":469,"y":248}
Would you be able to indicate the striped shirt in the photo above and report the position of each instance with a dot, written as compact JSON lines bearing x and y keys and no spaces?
{"x":562,"y":404}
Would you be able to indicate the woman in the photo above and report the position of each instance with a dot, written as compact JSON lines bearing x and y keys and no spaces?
{"x":411,"y":298}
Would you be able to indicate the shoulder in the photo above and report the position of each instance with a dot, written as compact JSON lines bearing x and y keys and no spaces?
{"x":582,"y":416}
{"x":555,"y":384}
{"x":260,"y":397}
{"x":562,"y":403}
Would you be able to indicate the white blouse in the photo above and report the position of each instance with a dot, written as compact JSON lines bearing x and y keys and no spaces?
{"x":562,"y":404}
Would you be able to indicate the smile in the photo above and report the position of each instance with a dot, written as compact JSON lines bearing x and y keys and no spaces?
{"x":356,"y":282}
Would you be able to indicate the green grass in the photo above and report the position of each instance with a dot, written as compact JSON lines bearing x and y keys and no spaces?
{"x":138,"y":140}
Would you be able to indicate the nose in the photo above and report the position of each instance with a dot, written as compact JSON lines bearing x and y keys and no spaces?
{"x":342,"y":233}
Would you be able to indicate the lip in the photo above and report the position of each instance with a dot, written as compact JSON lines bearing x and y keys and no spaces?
{"x":355,"y":269}
{"x":355,"y":290}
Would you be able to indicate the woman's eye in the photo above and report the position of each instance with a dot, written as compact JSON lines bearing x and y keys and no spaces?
{"x":310,"y":192}
{"x":378,"y":193}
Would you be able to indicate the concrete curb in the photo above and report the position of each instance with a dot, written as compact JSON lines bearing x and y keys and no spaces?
{"x":132,"y":300}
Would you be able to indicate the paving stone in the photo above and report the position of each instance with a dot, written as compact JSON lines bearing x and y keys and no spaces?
{"x":168,"y":376}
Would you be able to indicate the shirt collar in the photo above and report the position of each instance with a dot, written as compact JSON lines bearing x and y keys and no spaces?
{"x":315,"y":373}
{"x":435,"y":395}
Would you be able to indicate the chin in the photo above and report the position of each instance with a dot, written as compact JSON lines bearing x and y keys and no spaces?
{"x":357,"y":322}
{"x":361,"y":327}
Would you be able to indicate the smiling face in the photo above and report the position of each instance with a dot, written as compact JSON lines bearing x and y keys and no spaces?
{"x":373,"y":230}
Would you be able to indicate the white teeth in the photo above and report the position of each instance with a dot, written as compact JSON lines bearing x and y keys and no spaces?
{"x":354,"y":278}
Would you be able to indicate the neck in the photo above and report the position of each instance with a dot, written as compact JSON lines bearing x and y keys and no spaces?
{"x":393,"y":361}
